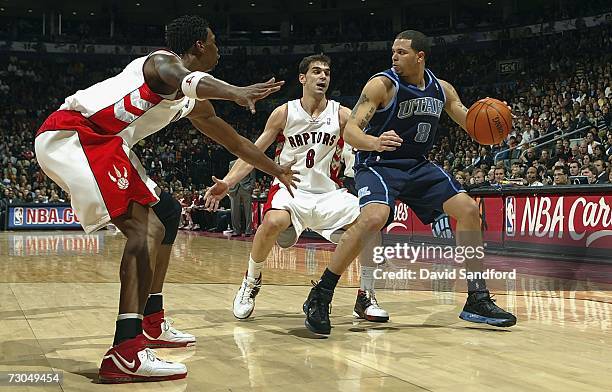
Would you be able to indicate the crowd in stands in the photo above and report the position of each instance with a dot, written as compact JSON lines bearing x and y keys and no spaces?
{"x":367,"y":22}
{"x":561,"y":96}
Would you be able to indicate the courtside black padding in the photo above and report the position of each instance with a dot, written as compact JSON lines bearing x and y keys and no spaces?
{"x":168,"y":210}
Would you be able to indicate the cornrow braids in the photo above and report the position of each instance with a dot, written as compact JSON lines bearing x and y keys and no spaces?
{"x":183,"y":32}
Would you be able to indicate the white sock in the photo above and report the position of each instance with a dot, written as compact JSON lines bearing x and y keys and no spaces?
{"x":124,"y":316}
{"x":367,"y":277}
{"x":254,"y":268}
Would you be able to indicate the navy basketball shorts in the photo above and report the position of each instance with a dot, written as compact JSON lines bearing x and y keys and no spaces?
{"x":420,"y":184}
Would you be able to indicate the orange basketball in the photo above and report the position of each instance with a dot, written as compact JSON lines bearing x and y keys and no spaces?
{"x":489,"y":121}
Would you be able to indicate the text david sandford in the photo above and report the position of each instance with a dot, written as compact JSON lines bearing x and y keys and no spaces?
{"x":425,"y":274}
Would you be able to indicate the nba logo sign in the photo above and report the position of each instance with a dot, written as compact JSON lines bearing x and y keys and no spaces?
{"x":18,"y":216}
{"x":510,"y":216}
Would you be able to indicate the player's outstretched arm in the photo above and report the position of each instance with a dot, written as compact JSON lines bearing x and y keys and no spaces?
{"x":240,"y":169}
{"x":374,"y":94}
{"x":204,"y":118}
{"x":453,"y":106}
{"x":274,"y":125}
{"x":200,"y":85}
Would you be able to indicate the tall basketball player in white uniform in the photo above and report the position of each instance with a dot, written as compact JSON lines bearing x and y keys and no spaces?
{"x":309,"y":132}
{"x":85,"y":147}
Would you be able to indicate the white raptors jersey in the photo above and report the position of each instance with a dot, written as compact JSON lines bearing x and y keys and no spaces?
{"x":124,"y":105}
{"x":315,"y":144}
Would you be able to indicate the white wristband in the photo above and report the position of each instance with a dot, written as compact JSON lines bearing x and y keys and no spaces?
{"x":190,"y":83}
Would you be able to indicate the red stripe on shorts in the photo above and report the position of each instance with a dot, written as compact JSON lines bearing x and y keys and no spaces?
{"x":107,"y":122}
{"x":118,"y":180}
{"x":268,"y":206}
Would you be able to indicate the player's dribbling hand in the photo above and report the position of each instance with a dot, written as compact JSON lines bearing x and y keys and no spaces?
{"x":215,"y":194}
{"x":248,"y":95}
{"x":288,"y":177}
{"x":388,"y":141}
{"x":509,"y":108}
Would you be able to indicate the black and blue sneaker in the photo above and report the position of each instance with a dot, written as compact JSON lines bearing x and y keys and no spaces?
{"x":481,"y":308}
{"x":317,"y":308}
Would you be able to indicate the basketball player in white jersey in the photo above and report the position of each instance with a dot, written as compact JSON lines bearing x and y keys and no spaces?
{"x":85,"y":147}
{"x":309,"y":132}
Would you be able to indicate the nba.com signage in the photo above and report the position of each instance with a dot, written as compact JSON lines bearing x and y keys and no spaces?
{"x":47,"y":243}
{"x":41,"y":216}
{"x":576,"y":221}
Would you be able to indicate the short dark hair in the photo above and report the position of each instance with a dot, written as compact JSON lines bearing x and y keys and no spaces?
{"x":419,"y":41}
{"x":306,"y":61}
{"x":183,"y":32}
{"x":590,"y":167}
{"x":563,"y":168}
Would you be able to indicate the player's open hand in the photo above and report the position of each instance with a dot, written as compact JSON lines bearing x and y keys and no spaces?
{"x":288,"y":176}
{"x":215,"y":194}
{"x":249,"y":95}
{"x":509,"y":108}
{"x":388,"y":141}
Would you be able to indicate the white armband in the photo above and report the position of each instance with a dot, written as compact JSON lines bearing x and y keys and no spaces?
{"x":190,"y":83}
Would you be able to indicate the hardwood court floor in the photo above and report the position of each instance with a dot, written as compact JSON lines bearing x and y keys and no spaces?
{"x":59,"y":294}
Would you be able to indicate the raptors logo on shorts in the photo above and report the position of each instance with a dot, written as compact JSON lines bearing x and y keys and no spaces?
{"x":122,"y":181}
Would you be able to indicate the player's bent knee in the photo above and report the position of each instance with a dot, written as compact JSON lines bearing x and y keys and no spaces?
{"x":469,"y":212}
{"x":372,"y":222}
{"x":168,"y":210}
{"x":275,"y":223}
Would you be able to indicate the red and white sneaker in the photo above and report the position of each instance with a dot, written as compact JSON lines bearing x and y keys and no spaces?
{"x":132,"y":361}
{"x":367,"y":307}
{"x":160,"y":333}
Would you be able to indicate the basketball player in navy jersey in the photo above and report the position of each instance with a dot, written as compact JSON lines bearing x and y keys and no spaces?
{"x":394,"y":125}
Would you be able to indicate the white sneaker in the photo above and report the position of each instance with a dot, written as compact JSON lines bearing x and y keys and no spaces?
{"x":161,"y":334}
{"x":244,"y":301}
{"x":132,"y":361}
{"x":366,"y":307}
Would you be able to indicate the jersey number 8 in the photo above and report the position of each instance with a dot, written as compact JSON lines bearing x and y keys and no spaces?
{"x":423,"y":130}
{"x":310,"y":158}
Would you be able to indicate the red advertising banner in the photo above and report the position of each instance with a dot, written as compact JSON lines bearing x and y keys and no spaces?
{"x":577,"y":221}
{"x":406,"y":223}
{"x":570,"y":224}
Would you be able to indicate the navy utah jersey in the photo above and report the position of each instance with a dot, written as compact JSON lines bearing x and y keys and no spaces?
{"x":412,"y":113}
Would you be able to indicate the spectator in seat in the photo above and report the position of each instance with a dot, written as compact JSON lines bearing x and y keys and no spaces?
{"x":516,"y":171}
{"x":589,"y":172}
{"x":574,"y":168}
{"x":491,"y":176}
{"x":560,"y":175}
{"x":499,"y":175}
{"x":601,"y":171}
{"x":460,"y":177}
{"x":531,"y":179}
{"x":478,"y":180}
{"x":528,"y":156}
{"x":545,"y":159}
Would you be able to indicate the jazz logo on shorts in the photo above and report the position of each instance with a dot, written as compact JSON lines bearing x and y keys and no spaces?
{"x":363,"y":192}
{"x":121,"y":180}
{"x":510,"y":216}
{"x":18,"y":216}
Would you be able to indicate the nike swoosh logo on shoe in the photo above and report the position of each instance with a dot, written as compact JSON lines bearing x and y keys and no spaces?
{"x":116,"y":357}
